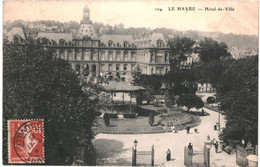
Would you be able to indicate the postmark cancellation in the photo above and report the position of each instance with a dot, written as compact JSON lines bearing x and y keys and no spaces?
{"x":26,"y":141}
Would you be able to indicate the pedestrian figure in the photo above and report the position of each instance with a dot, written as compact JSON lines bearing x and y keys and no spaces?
{"x":168,"y":155}
{"x":188,"y":129}
{"x":215,"y":126}
{"x":203,"y":112}
{"x":190,"y":146}
{"x":216,"y":146}
{"x":213,"y":141}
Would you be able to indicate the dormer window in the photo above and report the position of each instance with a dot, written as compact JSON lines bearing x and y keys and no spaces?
{"x":117,"y":44}
{"x":125,"y":44}
{"x":62,"y":42}
{"x":160,"y":44}
{"x":110,"y":44}
{"x":16,"y":40}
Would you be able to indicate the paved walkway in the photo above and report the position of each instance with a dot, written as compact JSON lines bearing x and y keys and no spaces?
{"x":175,"y":142}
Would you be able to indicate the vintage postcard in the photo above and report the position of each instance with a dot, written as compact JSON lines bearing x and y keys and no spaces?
{"x":130,"y":83}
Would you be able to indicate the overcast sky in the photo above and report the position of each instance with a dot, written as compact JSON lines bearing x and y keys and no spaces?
{"x":243,"y":20}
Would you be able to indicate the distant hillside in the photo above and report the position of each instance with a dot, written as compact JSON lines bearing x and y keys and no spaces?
{"x":238,"y":44}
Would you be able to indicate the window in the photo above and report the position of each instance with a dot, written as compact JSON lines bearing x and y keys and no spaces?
{"x":94,"y":68}
{"x":132,"y":67}
{"x":160,"y":43}
{"x":152,"y":57}
{"x":16,"y":40}
{"x":77,"y":68}
{"x":166,"y":57}
{"x":118,"y":57}
{"x":117,"y":45}
{"x":125,"y":56}
{"x":85,"y":69}
{"x":110,"y":56}
{"x":125,"y":67}
{"x":110,"y":67}
{"x":125,"y":44}
{"x":159,"y":70}
{"x":159,"y":58}
{"x":62,"y":42}
{"x":132,"y":56}
{"x":110,"y":44}
{"x":103,"y":56}
{"x":62,"y":55}
{"x":102,"y":67}
{"x":152,"y":71}
{"x":117,"y":67}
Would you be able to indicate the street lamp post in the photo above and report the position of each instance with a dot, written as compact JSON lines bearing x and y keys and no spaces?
{"x":219,"y":117}
{"x":207,"y":145}
{"x":134,"y":153}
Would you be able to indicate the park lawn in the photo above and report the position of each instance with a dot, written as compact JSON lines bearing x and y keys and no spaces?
{"x":140,"y":125}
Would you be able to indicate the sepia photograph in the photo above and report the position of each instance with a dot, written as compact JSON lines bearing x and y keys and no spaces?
{"x":130,"y":83}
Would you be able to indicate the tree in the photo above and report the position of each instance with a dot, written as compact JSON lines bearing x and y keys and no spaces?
{"x":190,"y":101}
{"x":136,"y":74}
{"x":210,"y":50}
{"x":181,"y":81}
{"x":212,"y":55}
{"x":180,"y":48}
{"x":37,"y":85}
{"x":152,"y":85}
{"x":238,"y":94}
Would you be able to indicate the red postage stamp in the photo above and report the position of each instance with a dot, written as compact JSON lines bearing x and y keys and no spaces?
{"x":26,"y":141}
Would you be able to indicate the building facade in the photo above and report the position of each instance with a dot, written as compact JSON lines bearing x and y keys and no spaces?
{"x":108,"y":54}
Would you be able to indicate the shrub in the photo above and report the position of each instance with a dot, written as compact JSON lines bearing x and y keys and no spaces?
{"x":106,"y":119}
{"x":129,"y":115}
{"x":146,"y":112}
{"x":170,"y":101}
{"x":157,"y":103}
{"x":211,"y":99}
{"x":190,"y":101}
{"x":112,"y":115}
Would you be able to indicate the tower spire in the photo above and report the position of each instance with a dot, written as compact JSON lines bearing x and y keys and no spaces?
{"x":86,"y":15}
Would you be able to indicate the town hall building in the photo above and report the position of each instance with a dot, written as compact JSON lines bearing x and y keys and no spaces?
{"x":108,"y":54}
